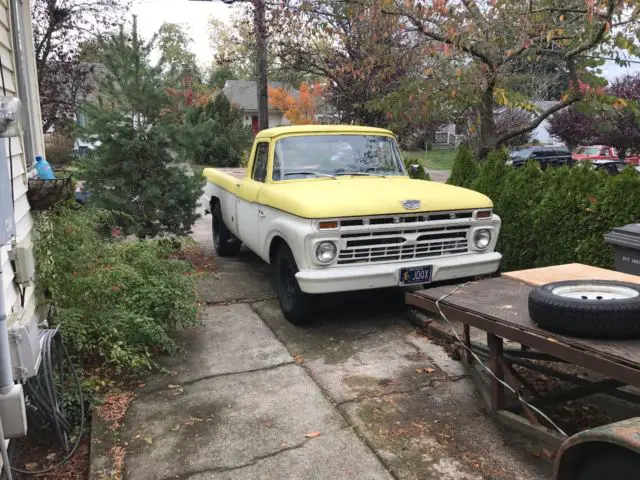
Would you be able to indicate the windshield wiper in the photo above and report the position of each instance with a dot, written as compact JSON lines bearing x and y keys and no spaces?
{"x":360,"y":174}
{"x":308,"y":172}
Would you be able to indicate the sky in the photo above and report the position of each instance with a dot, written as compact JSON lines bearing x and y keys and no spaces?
{"x":195,"y":15}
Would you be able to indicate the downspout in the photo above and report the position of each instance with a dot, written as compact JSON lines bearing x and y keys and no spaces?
{"x":22,"y":74}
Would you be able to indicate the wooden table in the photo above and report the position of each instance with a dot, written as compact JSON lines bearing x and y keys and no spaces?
{"x":499,"y":306}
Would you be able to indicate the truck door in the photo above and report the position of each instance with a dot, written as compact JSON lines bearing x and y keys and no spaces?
{"x":248,"y":210}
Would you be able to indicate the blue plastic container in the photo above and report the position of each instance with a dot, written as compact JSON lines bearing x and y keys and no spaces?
{"x":44,"y":169}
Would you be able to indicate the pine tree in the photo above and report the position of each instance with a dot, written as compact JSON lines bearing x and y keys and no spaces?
{"x":136,"y":169}
{"x":217,"y":134}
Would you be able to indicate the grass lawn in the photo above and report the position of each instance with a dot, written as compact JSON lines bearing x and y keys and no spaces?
{"x":435,"y":159}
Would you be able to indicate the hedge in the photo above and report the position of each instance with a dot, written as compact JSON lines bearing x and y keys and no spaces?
{"x":555,"y":216}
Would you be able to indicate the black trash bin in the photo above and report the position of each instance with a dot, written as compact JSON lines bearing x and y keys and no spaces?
{"x":626,"y":241}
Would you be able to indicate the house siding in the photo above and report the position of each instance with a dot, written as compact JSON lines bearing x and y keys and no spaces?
{"x":14,"y":148}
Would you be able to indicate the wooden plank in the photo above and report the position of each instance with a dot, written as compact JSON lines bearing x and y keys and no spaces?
{"x":551,"y":438}
{"x":570,"y":271}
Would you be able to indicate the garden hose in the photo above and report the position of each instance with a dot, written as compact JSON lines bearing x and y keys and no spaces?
{"x":44,"y":396}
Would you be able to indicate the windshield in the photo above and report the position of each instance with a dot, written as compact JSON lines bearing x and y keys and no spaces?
{"x":588,"y":150}
{"x":522,"y":153}
{"x":336,"y":155}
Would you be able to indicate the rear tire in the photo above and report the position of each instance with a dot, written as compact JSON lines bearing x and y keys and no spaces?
{"x":295,"y":304}
{"x":618,"y":465}
{"x":225,"y":243}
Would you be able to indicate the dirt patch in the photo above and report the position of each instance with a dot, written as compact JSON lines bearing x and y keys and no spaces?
{"x":39,"y":451}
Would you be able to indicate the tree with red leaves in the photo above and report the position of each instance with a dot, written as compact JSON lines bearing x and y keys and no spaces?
{"x":60,"y":28}
{"x":614,"y":122}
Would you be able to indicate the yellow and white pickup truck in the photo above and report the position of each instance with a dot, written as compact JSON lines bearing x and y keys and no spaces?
{"x":333,"y":209}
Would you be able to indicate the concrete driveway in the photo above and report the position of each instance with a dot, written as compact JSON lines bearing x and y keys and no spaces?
{"x":357,"y":394}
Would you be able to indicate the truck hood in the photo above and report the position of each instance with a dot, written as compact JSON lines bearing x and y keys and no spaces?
{"x":364,"y":196}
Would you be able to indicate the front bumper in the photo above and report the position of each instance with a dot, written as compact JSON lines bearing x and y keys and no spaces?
{"x":364,"y":277}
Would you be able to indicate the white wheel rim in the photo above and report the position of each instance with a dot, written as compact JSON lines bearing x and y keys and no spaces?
{"x":595,"y":292}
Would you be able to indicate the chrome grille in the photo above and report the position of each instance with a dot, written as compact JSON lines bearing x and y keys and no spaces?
{"x":402,"y":244}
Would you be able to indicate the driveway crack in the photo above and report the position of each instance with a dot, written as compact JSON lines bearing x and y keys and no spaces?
{"x":250,"y":463}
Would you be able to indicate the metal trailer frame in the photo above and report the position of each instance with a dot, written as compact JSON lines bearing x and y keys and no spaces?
{"x":482,"y":305}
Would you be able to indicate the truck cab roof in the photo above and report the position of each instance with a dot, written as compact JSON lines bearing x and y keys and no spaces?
{"x":311,"y":129}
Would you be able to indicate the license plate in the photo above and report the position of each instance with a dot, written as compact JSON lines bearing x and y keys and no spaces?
{"x":412,"y":275}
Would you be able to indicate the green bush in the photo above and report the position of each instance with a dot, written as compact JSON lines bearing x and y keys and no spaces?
{"x":465,"y":168}
{"x":58,"y":149}
{"x":116,"y":301}
{"x":421,"y":174}
{"x":558,"y":215}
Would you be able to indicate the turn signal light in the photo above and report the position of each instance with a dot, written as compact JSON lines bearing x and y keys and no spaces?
{"x":483,"y":214}
{"x":328,"y":224}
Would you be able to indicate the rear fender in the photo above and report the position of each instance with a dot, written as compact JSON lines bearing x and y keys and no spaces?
{"x":574,"y":450}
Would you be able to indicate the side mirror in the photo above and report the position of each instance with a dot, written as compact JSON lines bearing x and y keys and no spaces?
{"x":414,"y":167}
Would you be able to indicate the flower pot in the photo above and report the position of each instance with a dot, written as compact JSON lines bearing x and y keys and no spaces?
{"x":44,"y":194}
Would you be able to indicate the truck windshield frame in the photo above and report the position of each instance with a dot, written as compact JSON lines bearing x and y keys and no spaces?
{"x":332,"y":155}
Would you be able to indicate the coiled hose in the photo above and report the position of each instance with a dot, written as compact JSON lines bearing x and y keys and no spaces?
{"x":44,"y":396}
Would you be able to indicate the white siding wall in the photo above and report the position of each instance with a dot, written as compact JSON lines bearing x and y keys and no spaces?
{"x":23,"y":219}
{"x":276,"y":119}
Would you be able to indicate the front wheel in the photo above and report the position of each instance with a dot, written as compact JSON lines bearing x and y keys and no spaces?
{"x":224,"y":242}
{"x":295,"y":304}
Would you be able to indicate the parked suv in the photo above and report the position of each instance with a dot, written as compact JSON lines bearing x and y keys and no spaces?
{"x":554,"y":156}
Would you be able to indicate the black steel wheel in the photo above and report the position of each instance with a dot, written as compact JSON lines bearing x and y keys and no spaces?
{"x":615,"y":464}
{"x":295,"y":304}
{"x":225,"y":243}
{"x":588,"y":308}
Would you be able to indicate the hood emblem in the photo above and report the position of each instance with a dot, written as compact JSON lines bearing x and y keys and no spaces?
{"x":410,"y":204}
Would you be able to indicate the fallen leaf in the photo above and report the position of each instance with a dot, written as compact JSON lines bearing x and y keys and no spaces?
{"x":149,"y":440}
{"x":298,"y":358}
{"x":429,"y":370}
{"x":174,"y":386}
{"x":31,"y":466}
{"x":141,"y":385}
{"x":312,"y":434}
{"x":177,"y":427}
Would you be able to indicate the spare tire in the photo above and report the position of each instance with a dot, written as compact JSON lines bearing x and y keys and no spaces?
{"x":588,"y":308}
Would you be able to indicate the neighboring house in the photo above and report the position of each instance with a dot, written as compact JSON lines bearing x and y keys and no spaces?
{"x":446,"y":136}
{"x":244,"y":94}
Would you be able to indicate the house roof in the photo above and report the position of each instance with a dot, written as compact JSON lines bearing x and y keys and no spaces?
{"x":322,"y":129}
{"x":244,"y":93}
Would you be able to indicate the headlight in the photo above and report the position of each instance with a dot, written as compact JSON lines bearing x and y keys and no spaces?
{"x":326,"y":252}
{"x":482,"y":238}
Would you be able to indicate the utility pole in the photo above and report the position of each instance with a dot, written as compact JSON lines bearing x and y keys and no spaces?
{"x":260,"y":29}
{"x":260,"y":32}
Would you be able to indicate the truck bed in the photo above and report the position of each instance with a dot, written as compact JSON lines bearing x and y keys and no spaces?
{"x":238,"y":172}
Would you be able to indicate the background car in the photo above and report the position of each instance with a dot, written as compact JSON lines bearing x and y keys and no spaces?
{"x":613,"y":167}
{"x":554,"y":156}
{"x":602,"y":152}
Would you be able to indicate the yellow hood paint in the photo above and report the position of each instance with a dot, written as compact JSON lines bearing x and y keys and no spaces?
{"x":362,"y":196}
